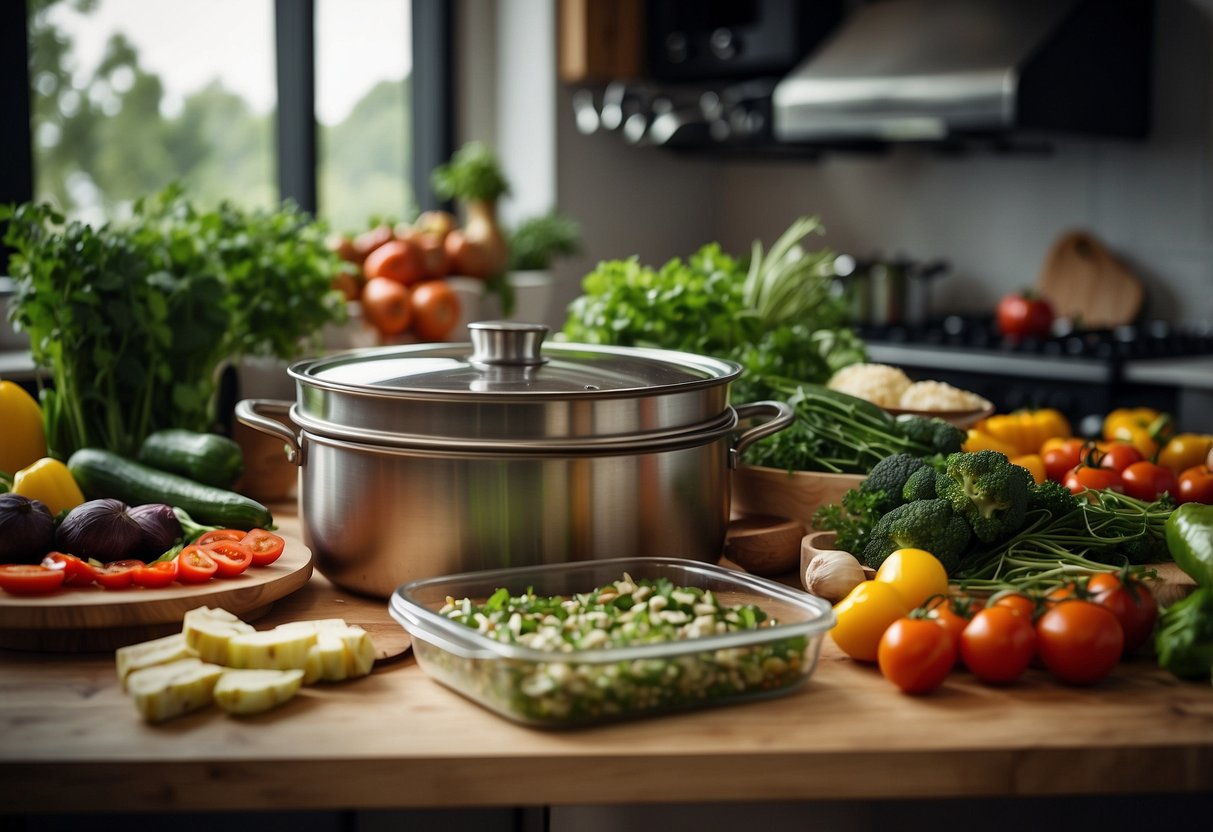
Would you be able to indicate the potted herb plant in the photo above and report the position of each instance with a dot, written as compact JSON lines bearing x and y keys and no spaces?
{"x":533,"y":245}
{"x":474,"y":178}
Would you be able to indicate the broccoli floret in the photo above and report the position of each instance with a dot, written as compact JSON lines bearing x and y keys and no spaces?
{"x":1052,"y":497}
{"x":923,"y":524}
{"x":942,"y":437}
{"x":890,"y":475}
{"x":987,"y":491}
{"x":920,"y":485}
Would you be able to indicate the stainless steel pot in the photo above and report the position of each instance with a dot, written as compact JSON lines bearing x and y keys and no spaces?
{"x":431,"y":459}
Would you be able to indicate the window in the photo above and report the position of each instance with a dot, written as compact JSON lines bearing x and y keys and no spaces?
{"x":126,"y":96}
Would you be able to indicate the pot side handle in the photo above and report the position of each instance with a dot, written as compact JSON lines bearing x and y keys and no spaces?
{"x":252,"y":412}
{"x":781,"y":415}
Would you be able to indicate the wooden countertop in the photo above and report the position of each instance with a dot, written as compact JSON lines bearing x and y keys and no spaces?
{"x":71,"y":741}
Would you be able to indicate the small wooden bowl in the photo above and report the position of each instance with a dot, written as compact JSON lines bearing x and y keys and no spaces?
{"x":764,"y":545}
{"x":792,"y":494}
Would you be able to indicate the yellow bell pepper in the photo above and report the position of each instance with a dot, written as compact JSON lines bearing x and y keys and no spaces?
{"x":1035,"y":463}
{"x":22,"y":439}
{"x":977,"y":440}
{"x":1026,"y":430}
{"x":1185,"y":450}
{"x":48,"y":480}
{"x":1145,"y":428}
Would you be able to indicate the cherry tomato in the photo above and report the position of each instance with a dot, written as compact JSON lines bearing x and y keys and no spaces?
{"x":230,"y":558}
{"x":30,"y":579}
{"x":1015,"y":601}
{"x":1083,"y":477}
{"x":386,"y":305}
{"x":945,"y":613}
{"x":265,"y":546}
{"x":1021,"y":314}
{"x":157,"y":574}
{"x":76,"y":572}
{"x":998,"y":644}
{"x":220,"y":534}
{"x":1061,"y":456}
{"x":435,"y":310}
{"x":1131,"y":602}
{"x":1195,"y":485}
{"x":863,"y":616}
{"x":916,"y":574}
{"x":916,"y":654}
{"x":195,"y":565}
{"x":1079,"y":641}
{"x":1119,"y":455}
{"x":1146,"y":481}
{"x":117,"y":574}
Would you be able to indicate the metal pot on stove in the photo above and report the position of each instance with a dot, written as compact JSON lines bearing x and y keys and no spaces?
{"x":881,"y":292}
{"x":431,"y":459}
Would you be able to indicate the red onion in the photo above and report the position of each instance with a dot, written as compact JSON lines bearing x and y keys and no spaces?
{"x":100,"y":529}
{"x":160,"y":526}
{"x":27,"y":529}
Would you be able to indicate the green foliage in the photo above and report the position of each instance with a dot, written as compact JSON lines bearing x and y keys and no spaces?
{"x":852,"y":519}
{"x":923,"y":524}
{"x":537,"y":241}
{"x":709,"y":304}
{"x":473,"y":174}
{"x":134,"y":320}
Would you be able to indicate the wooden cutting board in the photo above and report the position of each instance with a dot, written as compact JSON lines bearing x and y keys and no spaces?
{"x":96,"y":619}
{"x":1085,"y":282}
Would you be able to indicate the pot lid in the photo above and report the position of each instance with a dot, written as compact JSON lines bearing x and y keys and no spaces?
{"x":509,"y":388}
{"x":511,"y":358}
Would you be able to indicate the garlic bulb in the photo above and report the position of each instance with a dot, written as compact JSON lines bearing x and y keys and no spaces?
{"x":832,"y":573}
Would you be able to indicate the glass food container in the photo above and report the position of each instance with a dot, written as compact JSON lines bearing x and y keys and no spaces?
{"x":565,"y":687}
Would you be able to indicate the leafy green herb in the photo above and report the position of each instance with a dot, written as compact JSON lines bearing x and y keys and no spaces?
{"x":774,"y":316}
{"x":472,"y":174}
{"x":537,"y":241}
{"x":136,"y":320}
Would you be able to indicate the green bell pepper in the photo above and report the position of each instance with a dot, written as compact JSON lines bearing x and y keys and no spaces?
{"x":1189,"y":532}
{"x":1184,"y":640}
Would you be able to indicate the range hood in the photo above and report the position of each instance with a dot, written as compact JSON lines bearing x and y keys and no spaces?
{"x":935,"y":70}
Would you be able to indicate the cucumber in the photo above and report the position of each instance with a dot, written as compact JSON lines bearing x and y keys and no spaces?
{"x":101,"y":473}
{"x":207,"y":458}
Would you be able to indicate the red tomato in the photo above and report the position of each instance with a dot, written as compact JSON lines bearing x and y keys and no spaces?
{"x":29,"y":579}
{"x":398,"y":260}
{"x":1079,"y":641}
{"x":998,"y":645}
{"x":76,"y":572}
{"x":230,"y":558}
{"x":1061,"y":458}
{"x":1119,"y":455}
{"x":435,"y":310}
{"x":265,"y":546}
{"x":157,"y":574}
{"x":1148,"y":481}
{"x":1131,"y":602}
{"x":945,"y":614}
{"x":1021,"y":315}
{"x":117,"y":574}
{"x":1016,"y":602}
{"x":1195,"y":485}
{"x":386,"y":305}
{"x":916,"y":654}
{"x":220,"y":534}
{"x":195,"y":565}
{"x":1083,"y":477}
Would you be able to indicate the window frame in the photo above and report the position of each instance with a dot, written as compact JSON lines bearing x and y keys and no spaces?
{"x":295,"y":136}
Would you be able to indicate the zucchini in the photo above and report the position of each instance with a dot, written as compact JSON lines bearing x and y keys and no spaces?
{"x":207,"y":458}
{"x":101,"y":473}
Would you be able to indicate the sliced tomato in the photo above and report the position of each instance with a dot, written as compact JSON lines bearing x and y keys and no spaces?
{"x":30,"y":579}
{"x":76,"y":572}
{"x":220,"y":534}
{"x":195,"y":565}
{"x":230,"y":558}
{"x":117,"y":574}
{"x":157,"y":574}
{"x":265,"y":546}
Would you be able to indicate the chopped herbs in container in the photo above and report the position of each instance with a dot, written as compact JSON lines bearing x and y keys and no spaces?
{"x":629,"y":647}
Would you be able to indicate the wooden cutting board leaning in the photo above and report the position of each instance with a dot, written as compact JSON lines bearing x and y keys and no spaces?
{"x":1083,"y":281}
